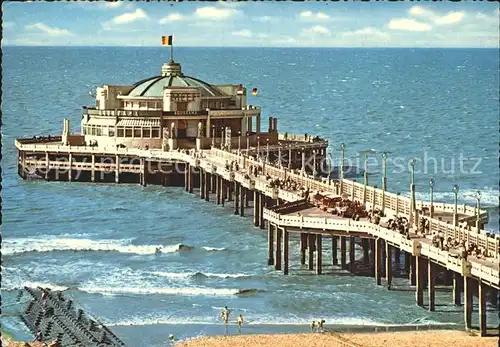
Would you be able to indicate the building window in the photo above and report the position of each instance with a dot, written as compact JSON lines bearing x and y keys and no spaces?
{"x":182,"y":106}
{"x":137,"y":132}
{"x":120,"y":132}
{"x":98,"y":130}
{"x":128,"y":132}
{"x":111,"y":131}
{"x":155,"y":132}
{"x":146,"y":133}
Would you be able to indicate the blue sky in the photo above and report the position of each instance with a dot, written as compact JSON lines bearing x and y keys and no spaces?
{"x":266,"y":24}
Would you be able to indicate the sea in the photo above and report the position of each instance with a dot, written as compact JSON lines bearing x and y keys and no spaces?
{"x":97,"y":241}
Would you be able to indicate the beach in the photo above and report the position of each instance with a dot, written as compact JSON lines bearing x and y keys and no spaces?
{"x":434,"y":338}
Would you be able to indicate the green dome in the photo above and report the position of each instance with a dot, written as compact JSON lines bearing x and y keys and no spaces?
{"x":153,"y":87}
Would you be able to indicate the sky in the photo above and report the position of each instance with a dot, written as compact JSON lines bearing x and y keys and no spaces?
{"x":253,"y":24}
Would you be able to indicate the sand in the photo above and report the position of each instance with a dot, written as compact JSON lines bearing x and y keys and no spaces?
{"x":393,"y":339}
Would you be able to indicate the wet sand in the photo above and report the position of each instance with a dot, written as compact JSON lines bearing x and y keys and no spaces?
{"x":434,"y":338}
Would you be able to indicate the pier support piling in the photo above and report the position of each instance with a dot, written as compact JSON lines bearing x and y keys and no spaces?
{"x":431,"y":284}
{"x":482,"y":307}
{"x":202,"y":185}
{"x":319,"y":253}
{"x":92,"y":173}
{"x":242,"y":193}
{"x":208,"y":180}
{"x":218,"y":189}
{"x":388,"y":264}
{"x":352,"y":246}
{"x":366,"y":251}
{"x":303,"y":247}
{"x":335,"y":259}
{"x":468,"y":302}
{"x":285,"y":251}
{"x":261,"y":210}
{"x":378,"y":255}
{"x":270,"y":244}
{"x":277,"y":257}
{"x":342,"y":252}
{"x":236,"y":197}
{"x":456,"y":289}
{"x":256,"y":208}
{"x":419,"y":276}
{"x":310,"y":249}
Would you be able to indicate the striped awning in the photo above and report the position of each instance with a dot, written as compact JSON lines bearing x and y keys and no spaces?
{"x":101,"y":121}
{"x":139,"y":122}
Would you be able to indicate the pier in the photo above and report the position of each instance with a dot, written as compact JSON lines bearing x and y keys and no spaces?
{"x":237,"y":177}
{"x":177,"y":131}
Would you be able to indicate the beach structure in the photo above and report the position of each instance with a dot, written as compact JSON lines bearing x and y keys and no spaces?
{"x":175,"y":130}
{"x":55,"y":318}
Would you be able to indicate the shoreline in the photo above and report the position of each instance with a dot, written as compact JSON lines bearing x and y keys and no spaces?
{"x":408,"y":338}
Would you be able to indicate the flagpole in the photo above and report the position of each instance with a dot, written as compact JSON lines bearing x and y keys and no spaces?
{"x":172,"y":49}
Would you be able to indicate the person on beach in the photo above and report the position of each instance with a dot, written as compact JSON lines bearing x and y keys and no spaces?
{"x":225,"y":315}
{"x":320,"y":326}
{"x":240,"y":322}
{"x":313,"y":326}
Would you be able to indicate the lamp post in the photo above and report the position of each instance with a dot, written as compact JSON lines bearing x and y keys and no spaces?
{"x":239,"y":142}
{"x":478,"y":198}
{"x":413,"y":216}
{"x":455,"y":215}
{"x":384,"y":178}
{"x":258,"y":148}
{"x":303,"y":162}
{"x":267,"y":150}
{"x":248,"y":142}
{"x":329,"y":170}
{"x":342,"y":148}
{"x":289,"y":156}
{"x":222,"y":138}
{"x":431,"y":188}
{"x":213,"y":135}
{"x":314,"y":163}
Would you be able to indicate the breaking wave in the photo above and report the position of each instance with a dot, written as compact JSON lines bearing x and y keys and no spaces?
{"x":197,"y":275}
{"x":25,"y":245}
{"x":167,"y":291}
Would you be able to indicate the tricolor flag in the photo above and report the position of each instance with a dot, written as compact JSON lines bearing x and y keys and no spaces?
{"x":254,"y":91}
{"x":239,"y":90}
{"x":166,"y":40}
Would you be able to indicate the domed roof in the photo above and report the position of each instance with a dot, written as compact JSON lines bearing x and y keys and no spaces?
{"x":171,"y":77}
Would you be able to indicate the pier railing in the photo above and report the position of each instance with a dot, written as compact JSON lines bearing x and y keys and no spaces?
{"x":414,"y":245}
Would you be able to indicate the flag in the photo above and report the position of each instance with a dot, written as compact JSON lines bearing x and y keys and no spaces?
{"x":254,"y":91}
{"x":240,"y":90}
{"x":167,"y":40}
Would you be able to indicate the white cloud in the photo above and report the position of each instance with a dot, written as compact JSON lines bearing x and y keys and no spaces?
{"x":265,"y":19}
{"x":130,"y":17}
{"x":215,"y":13}
{"x":49,"y":30}
{"x":171,"y":18}
{"x":314,"y":16}
{"x":408,"y":25}
{"x":114,"y":4}
{"x":242,"y":33}
{"x":321,"y":15}
{"x":317,"y":29}
{"x":449,"y":18}
{"x":368,"y":32}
